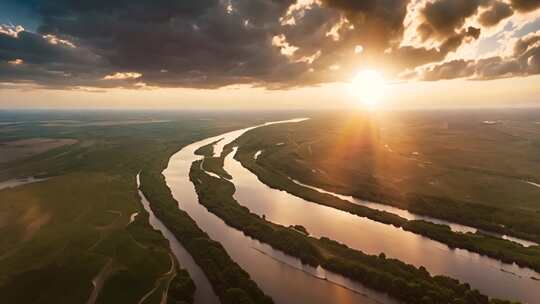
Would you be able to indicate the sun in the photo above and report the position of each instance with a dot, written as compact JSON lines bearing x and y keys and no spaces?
{"x":368,"y":88}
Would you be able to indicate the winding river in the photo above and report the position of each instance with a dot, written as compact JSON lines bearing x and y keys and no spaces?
{"x":492,"y":277}
{"x":204,"y":293}
{"x":286,"y":280}
{"x":412,"y":216}
{"x":282,"y":277}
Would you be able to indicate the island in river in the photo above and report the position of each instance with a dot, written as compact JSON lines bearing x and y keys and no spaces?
{"x":251,"y":243}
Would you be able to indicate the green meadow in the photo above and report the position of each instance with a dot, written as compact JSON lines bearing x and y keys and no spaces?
{"x":63,"y":234}
{"x":446,"y":164}
{"x":80,"y":234}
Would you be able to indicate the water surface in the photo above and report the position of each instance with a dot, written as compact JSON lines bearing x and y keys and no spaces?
{"x":412,"y":216}
{"x":12,"y":183}
{"x":282,"y":277}
{"x":490,"y":276}
{"x":204,"y":294}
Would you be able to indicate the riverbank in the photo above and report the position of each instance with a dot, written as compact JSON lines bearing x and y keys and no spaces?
{"x":408,"y":162}
{"x":202,"y":291}
{"x":394,"y":277}
{"x":274,"y":271}
{"x":490,"y":246}
{"x":72,"y":224}
{"x":231,"y":283}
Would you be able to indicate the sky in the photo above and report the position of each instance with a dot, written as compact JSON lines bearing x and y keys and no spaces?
{"x":269,"y":53}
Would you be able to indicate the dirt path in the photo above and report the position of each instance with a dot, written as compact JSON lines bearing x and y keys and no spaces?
{"x":172,"y":273}
{"x":168,"y":275}
{"x":99,"y":281}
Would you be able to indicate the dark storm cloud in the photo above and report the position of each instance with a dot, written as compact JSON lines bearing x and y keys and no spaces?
{"x":443,"y":18}
{"x":31,"y":57}
{"x":373,"y":25}
{"x":379,"y":22}
{"x":212,"y":43}
{"x":198,"y":43}
{"x":525,"y":5}
{"x":495,"y":13}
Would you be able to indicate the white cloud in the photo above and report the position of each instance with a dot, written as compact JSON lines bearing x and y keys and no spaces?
{"x":17,"y":61}
{"x":11,"y":30}
{"x":144,"y":86}
{"x":310,"y":59}
{"x":334,"y":32}
{"x":55,"y":40}
{"x":229,"y":8}
{"x":286,"y":49}
{"x":298,"y":10}
{"x":123,"y":76}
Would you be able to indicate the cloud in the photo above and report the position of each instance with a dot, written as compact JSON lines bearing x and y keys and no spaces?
{"x":47,"y":64}
{"x":523,"y":44}
{"x":334,"y":32}
{"x":16,"y":61}
{"x":524,"y":61}
{"x":525,"y":5}
{"x":285,"y":48}
{"x":310,"y":59}
{"x":497,"y":12}
{"x":267,"y":43}
{"x":297,"y":10}
{"x":377,"y":22}
{"x":11,"y":30}
{"x":449,"y":70}
{"x":122,"y":76}
{"x":198,"y":42}
{"x":410,"y":56}
{"x":443,"y":18}
{"x":55,"y":40}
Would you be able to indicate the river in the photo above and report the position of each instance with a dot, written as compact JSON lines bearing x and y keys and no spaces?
{"x":412,"y":216}
{"x":204,"y":294}
{"x":280,"y":276}
{"x":491,"y":277}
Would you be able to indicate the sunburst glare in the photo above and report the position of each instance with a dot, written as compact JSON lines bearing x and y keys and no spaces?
{"x":368,"y":88}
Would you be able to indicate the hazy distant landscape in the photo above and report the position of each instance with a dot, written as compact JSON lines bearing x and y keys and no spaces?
{"x":450,"y":181}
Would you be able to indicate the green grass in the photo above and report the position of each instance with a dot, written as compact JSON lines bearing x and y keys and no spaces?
{"x":72,"y":225}
{"x":497,"y":248}
{"x":465,"y":171}
{"x":404,"y":282}
{"x":58,"y":234}
{"x":54,"y":232}
{"x":223,"y":273}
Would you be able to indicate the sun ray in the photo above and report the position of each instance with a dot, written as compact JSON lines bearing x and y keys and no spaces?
{"x":368,"y":87}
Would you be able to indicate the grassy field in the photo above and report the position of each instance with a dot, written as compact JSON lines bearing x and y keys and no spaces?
{"x":59,"y":234}
{"x":479,"y":242}
{"x":70,"y":232}
{"x":64,"y":233}
{"x":404,"y":282}
{"x":451,"y":165}
{"x":228,"y":279}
